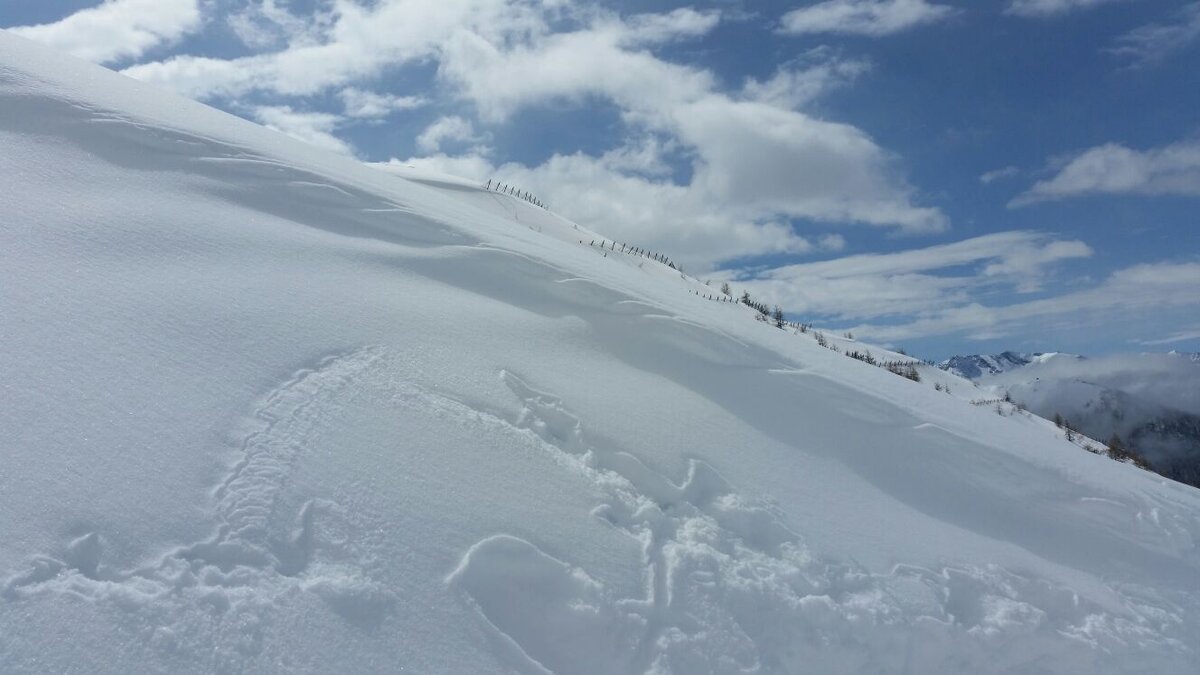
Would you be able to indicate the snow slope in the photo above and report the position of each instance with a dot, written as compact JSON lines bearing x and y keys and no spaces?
{"x":271,"y":409}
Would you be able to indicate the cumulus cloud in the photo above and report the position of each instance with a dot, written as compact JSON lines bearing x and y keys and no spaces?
{"x":118,"y":29}
{"x":1115,"y":169}
{"x":501,"y":76}
{"x":1048,"y":8}
{"x":449,"y":128}
{"x":781,"y":161}
{"x":863,"y":17}
{"x":768,"y":161}
{"x":351,"y":42}
{"x":267,"y":23}
{"x":678,"y":24}
{"x":753,"y":166}
{"x":807,"y":79}
{"x":613,"y":194}
{"x":461,"y":166}
{"x":1152,"y":43}
{"x":722,"y":170}
{"x":362,"y":104}
{"x":314,"y":128}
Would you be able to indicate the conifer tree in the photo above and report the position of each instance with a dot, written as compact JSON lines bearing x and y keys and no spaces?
{"x":1116,"y":447}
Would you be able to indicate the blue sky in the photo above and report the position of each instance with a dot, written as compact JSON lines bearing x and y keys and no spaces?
{"x":947,"y":176}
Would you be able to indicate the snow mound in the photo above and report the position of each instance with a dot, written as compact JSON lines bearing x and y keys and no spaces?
{"x":269,"y":409}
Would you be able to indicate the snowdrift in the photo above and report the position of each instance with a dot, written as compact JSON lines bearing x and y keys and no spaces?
{"x":266,"y":409}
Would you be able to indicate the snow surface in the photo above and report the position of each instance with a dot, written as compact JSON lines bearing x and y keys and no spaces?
{"x":266,"y":409}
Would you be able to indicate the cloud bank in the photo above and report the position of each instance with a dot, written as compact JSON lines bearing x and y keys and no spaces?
{"x":118,"y":29}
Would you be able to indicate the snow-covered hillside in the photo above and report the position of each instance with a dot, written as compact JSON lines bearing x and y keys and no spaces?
{"x":270,"y":409}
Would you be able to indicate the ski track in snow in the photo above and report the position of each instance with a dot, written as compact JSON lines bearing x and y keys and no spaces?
{"x":210,"y":602}
{"x":730,"y":588}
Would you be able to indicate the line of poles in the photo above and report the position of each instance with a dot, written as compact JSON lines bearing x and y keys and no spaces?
{"x":512,"y":191}
{"x":635,"y":250}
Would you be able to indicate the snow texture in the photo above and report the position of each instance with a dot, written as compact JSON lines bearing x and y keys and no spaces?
{"x":271,"y":409}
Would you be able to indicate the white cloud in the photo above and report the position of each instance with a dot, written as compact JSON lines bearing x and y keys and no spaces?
{"x":870,"y":286}
{"x":1168,"y":380}
{"x":118,"y":29}
{"x":863,"y":17}
{"x":1115,"y":169}
{"x":1180,"y":336}
{"x":832,"y":242}
{"x":757,"y":161}
{"x":266,"y":23}
{"x":643,"y":155}
{"x":350,"y":42}
{"x":502,"y":76}
{"x":1048,"y":8}
{"x":461,"y":166}
{"x":1135,"y":293}
{"x":363,"y":104}
{"x":655,"y":29}
{"x":807,"y":79}
{"x":779,"y":161}
{"x":628,"y":193}
{"x":998,"y":174}
{"x":999,"y":246}
{"x":760,"y":160}
{"x":449,"y":128}
{"x":314,"y":128}
{"x":612,"y":194}
{"x":1155,"y":42}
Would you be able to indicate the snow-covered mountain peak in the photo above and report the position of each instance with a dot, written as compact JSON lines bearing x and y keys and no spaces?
{"x":975,"y":366}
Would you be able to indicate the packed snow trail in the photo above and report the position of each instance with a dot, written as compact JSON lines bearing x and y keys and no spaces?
{"x":212,"y":599}
{"x":271,"y":409}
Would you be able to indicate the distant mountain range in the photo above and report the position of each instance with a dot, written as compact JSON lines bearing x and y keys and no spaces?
{"x":1151,"y":400}
{"x":974,"y":366}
